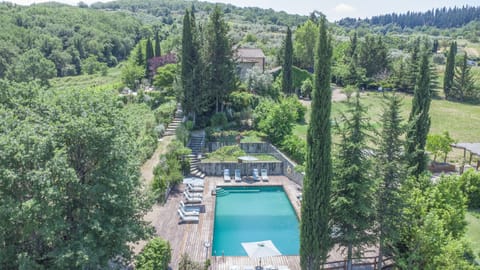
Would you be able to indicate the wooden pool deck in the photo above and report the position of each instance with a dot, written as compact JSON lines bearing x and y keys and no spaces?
{"x":190,"y":238}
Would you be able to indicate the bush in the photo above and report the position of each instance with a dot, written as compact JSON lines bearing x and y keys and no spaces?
{"x":160,"y":130}
{"x":295,"y":148}
{"x":307,"y":88}
{"x":276,"y":119}
{"x":165,"y":112}
{"x":297,"y":106}
{"x":155,"y":255}
{"x":187,"y":264}
{"x":470,"y":185}
{"x":219,"y":120}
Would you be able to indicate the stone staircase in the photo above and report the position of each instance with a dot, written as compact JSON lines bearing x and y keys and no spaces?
{"x":177,"y":121}
{"x":196,"y":144}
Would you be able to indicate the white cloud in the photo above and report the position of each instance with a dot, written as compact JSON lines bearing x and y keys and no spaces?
{"x":344,"y":8}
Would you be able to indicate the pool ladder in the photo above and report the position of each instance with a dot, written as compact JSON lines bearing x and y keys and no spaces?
{"x":221,"y":192}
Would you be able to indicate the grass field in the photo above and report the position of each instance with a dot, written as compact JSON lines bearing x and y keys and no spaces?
{"x":84,"y":81}
{"x":473,"y":231}
{"x":459,"y":119}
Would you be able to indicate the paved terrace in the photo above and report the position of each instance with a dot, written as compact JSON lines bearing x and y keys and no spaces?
{"x":190,"y":237}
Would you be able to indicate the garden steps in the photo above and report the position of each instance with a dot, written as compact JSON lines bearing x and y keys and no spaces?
{"x":196,"y":144}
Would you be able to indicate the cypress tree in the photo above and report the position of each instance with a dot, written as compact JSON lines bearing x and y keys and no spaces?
{"x":413,"y":66}
{"x":148,"y":55}
{"x":315,"y":241}
{"x":220,"y":80}
{"x":187,"y":67}
{"x":419,"y":120}
{"x":390,"y":175}
{"x":449,"y":70}
{"x":287,"y":73}
{"x":463,"y":83}
{"x":140,"y":59}
{"x":353,"y":196}
{"x":158,"y":51}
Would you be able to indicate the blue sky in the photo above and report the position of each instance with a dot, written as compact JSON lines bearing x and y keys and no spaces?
{"x":334,"y":9}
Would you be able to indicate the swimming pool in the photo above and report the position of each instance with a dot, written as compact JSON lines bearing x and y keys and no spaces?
{"x":249,"y":214}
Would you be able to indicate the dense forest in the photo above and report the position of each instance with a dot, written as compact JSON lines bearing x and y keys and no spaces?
{"x":440,"y":18}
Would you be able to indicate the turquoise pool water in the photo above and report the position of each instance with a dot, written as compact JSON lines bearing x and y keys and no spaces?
{"x":248,"y":214}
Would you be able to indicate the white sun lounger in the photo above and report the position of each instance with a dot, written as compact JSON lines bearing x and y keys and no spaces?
{"x":283,"y":267}
{"x":234,"y":267}
{"x":189,"y":208}
{"x":255,"y":175}
{"x":264,"y":175}
{"x":184,"y":218}
{"x":188,"y":213}
{"x":226,"y":175}
{"x":193,"y":195}
{"x":238,"y":177}
{"x":191,"y":199}
{"x":248,"y":268}
{"x":194,"y":188}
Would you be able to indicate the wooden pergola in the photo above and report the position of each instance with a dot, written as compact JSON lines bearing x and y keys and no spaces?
{"x":472,"y":148}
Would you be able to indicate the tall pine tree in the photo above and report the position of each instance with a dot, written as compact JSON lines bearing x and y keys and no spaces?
{"x":463,"y":83}
{"x":148,"y":55}
{"x":419,"y":119}
{"x":287,"y":72}
{"x":449,"y":70}
{"x":139,"y":59}
{"x":315,"y":241}
{"x":390,"y":173}
{"x":158,"y":51}
{"x":219,"y":60}
{"x":353,"y":195}
{"x":413,"y":66}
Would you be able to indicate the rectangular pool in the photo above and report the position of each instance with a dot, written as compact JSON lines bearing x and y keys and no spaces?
{"x":249,"y":214}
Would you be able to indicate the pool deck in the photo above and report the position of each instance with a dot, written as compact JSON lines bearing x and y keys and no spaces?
{"x":189,"y":238}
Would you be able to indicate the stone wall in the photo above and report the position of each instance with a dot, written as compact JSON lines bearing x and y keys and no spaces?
{"x":286,"y":169}
{"x":246,"y":168}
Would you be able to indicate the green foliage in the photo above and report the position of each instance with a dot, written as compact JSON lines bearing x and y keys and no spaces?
{"x":65,"y":35}
{"x":315,"y":241}
{"x":241,"y":100}
{"x":307,"y":87}
{"x":354,"y":188}
{"x":470,"y":184}
{"x":439,"y":144}
{"x":276,"y":120}
{"x":186,"y":263}
{"x":419,"y":120}
{"x":433,"y":219}
{"x":391,"y":173}
{"x":224,"y":153}
{"x":260,"y":83}
{"x":295,"y":148}
{"x":287,"y":75}
{"x":155,"y":255}
{"x":349,"y":90}
{"x":165,"y":112}
{"x":373,"y":56}
{"x":449,"y":70}
{"x":171,"y":168}
{"x":32,"y":65}
{"x":132,"y":75}
{"x":165,"y":78}
{"x":304,"y":43}
{"x":158,"y":50}
{"x":142,"y":124}
{"x":296,"y":106}
{"x":463,"y":83}
{"x":70,"y":179}
{"x":92,"y":66}
{"x":219,"y":120}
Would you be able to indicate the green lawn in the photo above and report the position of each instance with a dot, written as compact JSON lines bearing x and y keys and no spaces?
{"x":459,"y":119}
{"x":473,"y":231}
{"x":113,"y":77}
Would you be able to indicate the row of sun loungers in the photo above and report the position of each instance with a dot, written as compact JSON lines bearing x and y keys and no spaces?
{"x":238,"y":178}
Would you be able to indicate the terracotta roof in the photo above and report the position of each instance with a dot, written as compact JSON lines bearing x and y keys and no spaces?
{"x":250,"y":53}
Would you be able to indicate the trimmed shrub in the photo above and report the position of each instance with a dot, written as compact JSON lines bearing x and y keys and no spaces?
{"x":155,"y":255}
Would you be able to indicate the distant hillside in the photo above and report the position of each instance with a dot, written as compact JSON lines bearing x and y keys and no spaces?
{"x":440,"y":18}
{"x":167,"y":8}
{"x":62,"y":37}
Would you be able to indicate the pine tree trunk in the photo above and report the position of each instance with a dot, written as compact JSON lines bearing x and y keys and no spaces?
{"x":380,"y":253}
{"x":349,"y":257}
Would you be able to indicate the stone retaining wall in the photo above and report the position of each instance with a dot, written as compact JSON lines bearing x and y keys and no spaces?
{"x":286,"y":168}
{"x":246,"y":168}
